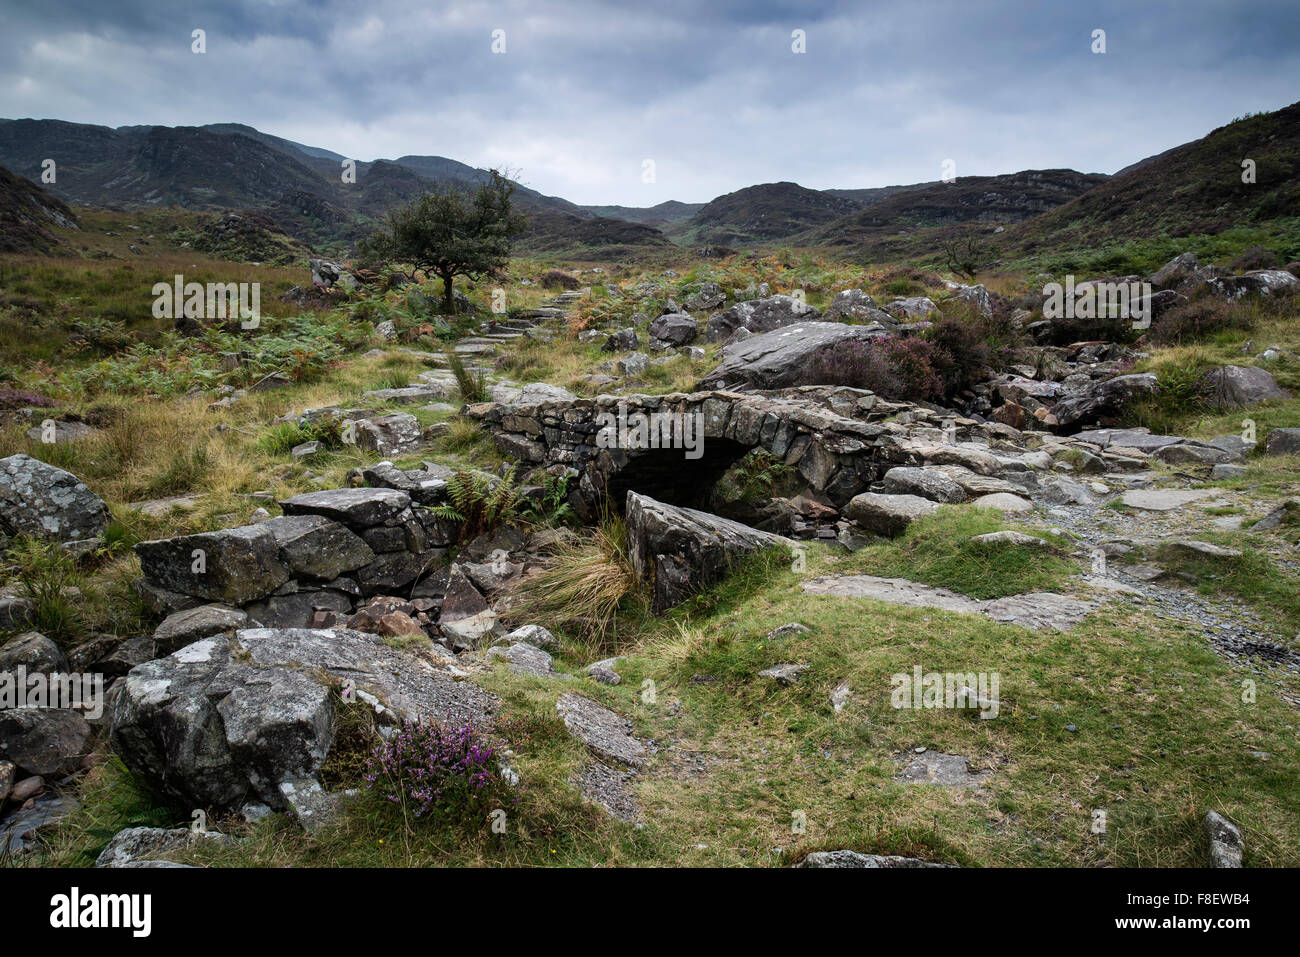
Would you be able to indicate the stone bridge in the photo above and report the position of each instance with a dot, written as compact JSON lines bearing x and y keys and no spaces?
{"x":675,"y":447}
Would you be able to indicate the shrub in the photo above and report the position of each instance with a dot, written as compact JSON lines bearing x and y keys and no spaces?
{"x":1255,"y":257}
{"x":439,"y":771}
{"x":1199,"y":319}
{"x":17,"y":399}
{"x":558,"y":279}
{"x":891,"y":367}
{"x":967,"y":346}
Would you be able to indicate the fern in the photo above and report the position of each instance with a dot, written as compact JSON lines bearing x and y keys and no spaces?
{"x":480,"y":503}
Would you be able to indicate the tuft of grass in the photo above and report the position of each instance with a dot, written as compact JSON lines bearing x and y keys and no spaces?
{"x":586,"y":582}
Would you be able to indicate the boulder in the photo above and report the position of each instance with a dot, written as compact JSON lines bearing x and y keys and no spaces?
{"x":44,"y":741}
{"x":888,"y":515}
{"x":674,"y":329}
{"x":1224,"y":837}
{"x":1177,"y":271}
{"x":41,"y":501}
{"x":1282,"y":442}
{"x":680,"y":551}
{"x":235,"y":566}
{"x":854,"y":305}
{"x":759,"y":315}
{"x":32,"y":651}
{"x":1261,"y":282}
{"x":316,"y":547}
{"x":781,"y":358}
{"x":927,"y":483}
{"x":395,"y":434}
{"x":625,"y":340}
{"x":1105,"y":397}
{"x":916,"y":307}
{"x":228,"y":720}
{"x":1236,"y":386}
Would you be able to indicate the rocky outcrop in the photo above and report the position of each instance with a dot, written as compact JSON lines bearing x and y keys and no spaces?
{"x":678,"y":552}
{"x":785,"y":357}
{"x":225,"y":721}
{"x":758,"y":316}
{"x":1102,"y":399}
{"x":41,"y":501}
{"x":329,"y":550}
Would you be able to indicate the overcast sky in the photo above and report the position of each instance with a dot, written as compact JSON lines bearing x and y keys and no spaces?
{"x":711,"y":92}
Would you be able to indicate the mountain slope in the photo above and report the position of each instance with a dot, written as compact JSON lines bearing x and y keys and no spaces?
{"x":26,"y":213}
{"x":1196,"y":188}
{"x":984,"y":199}
{"x":766,"y":212}
{"x":236,"y":167}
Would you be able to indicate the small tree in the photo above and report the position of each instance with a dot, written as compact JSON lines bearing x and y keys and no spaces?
{"x":450,"y":233}
{"x":963,"y":253}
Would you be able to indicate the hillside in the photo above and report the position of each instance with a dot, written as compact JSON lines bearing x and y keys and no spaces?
{"x":968,"y":199}
{"x":765,"y":212}
{"x":26,"y":214}
{"x":1192,"y":189}
{"x":668,"y":212}
{"x":232,"y":166}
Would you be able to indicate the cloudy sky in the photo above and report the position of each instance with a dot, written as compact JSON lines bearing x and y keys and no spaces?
{"x":713,"y":93}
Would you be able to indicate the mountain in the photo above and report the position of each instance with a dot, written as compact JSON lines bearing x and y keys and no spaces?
{"x":984,"y":199}
{"x":26,"y":214}
{"x":765,"y":212}
{"x":668,"y":212}
{"x":1191,"y":189}
{"x":232,"y":166}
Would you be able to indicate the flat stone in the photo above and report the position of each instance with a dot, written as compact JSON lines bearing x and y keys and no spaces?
{"x":133,"y":846}
{"x":944,"y":770}
{"x":192,"y":624}
{"x":1010,"y":537}
{"x":600,"y":729}
{"x":1163,"y":500}
{"x":1004,"y":502}
{"x":784,"y":675}
{"x":356,"y":507}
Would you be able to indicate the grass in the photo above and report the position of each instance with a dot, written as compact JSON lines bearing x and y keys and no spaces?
{"x":937,"y":550}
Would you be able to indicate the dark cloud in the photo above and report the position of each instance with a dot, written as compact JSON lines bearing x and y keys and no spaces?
{"x":710,"y":92}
